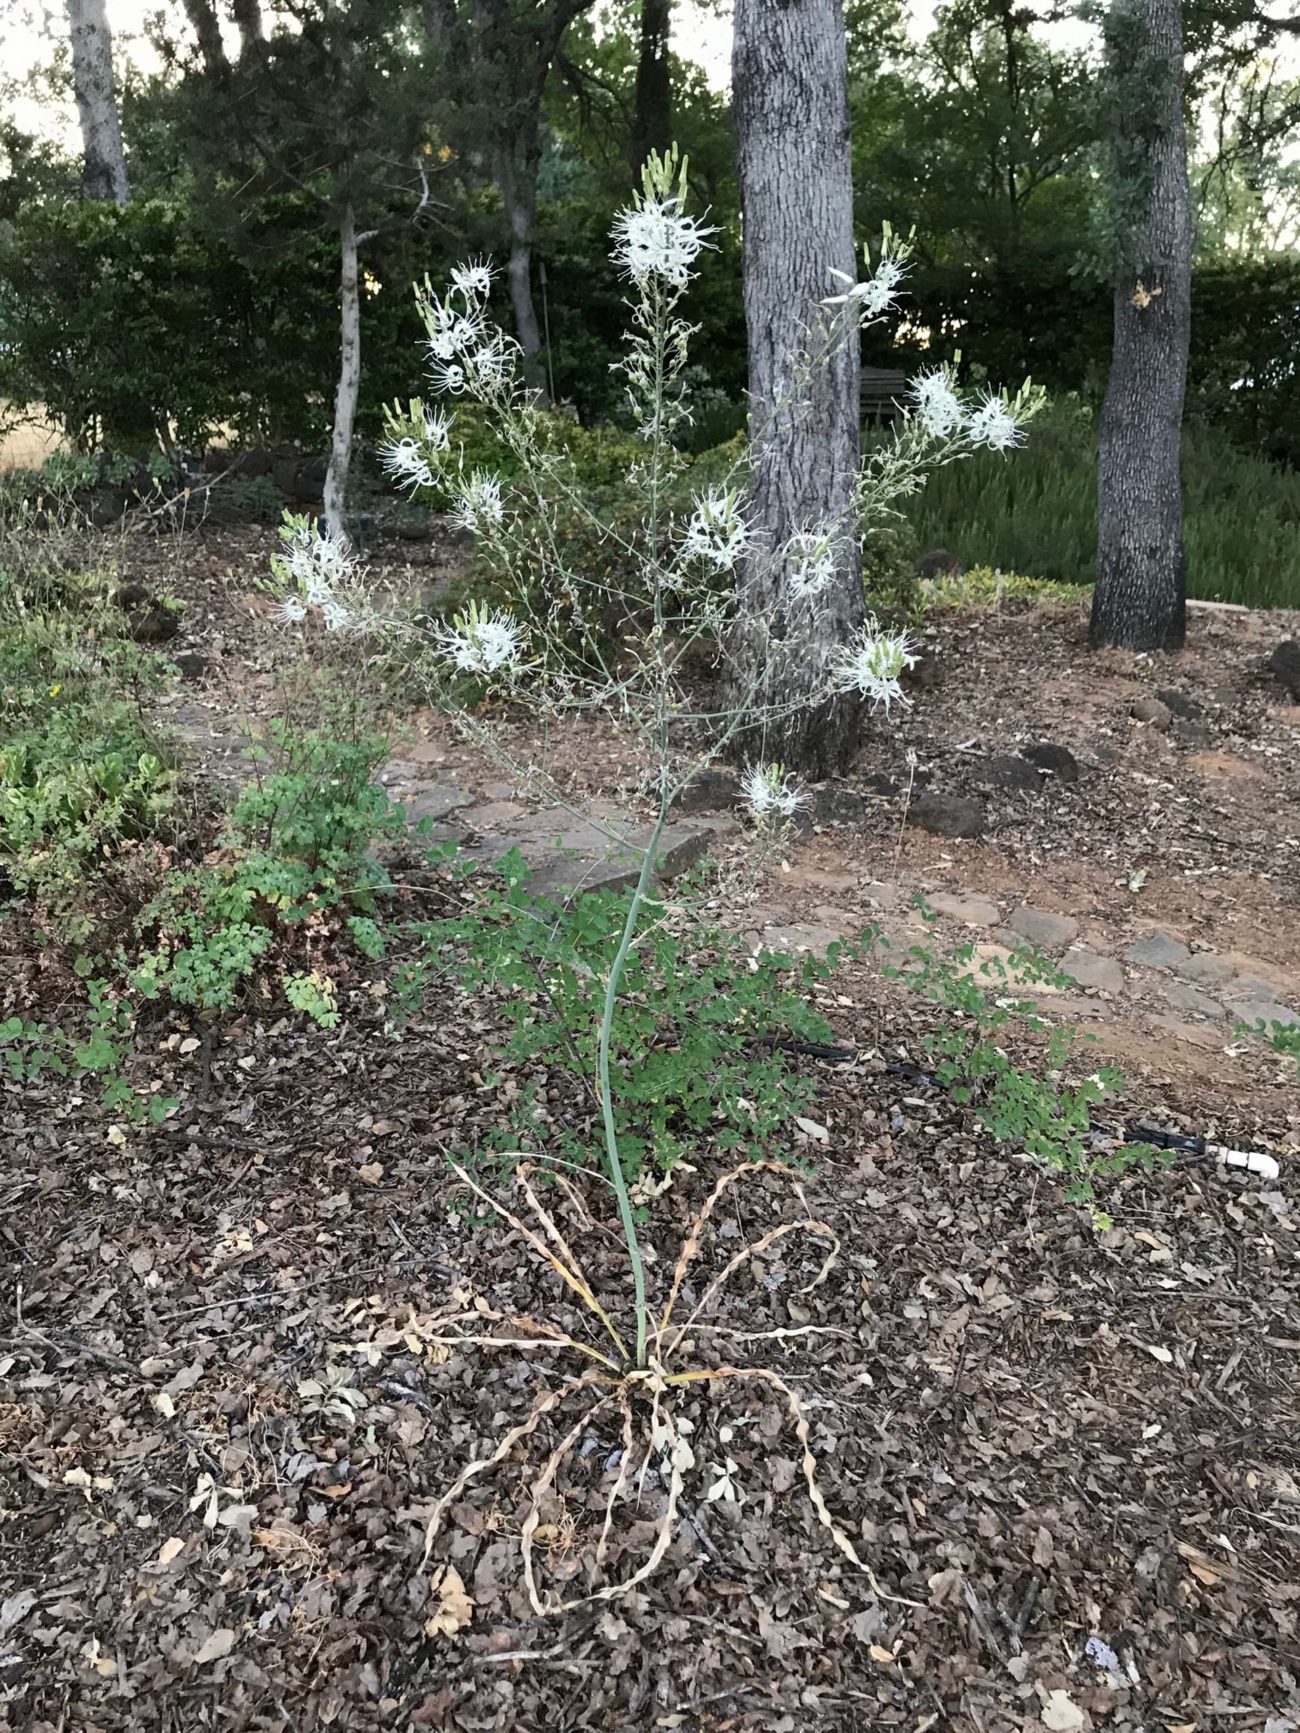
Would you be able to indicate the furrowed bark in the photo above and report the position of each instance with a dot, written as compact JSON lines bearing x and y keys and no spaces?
{"x":1140,"y":597}
{"x":790,"y":100}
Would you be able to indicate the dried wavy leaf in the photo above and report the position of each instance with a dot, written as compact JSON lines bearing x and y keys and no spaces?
{"x":454,"y":1608}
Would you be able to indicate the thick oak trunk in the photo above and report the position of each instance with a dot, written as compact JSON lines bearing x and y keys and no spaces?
{"x":1140,"y":596}
{"x":652,"y":119}
{"x":790,"y":100}
{"x":103,"y":157}
{"x":345,"y":398}
{"x":516,"y":175}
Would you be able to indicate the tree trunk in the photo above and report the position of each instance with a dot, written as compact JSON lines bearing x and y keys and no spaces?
{"x":517,"y":165}
{"x":1140,"y":596}
{"x":104,"y":159}
{"x":248,"y":21}
{"x":206,"y":26}
{"x":652,"y":121}
{"x":790,"y":100}
{"x":345,"y":399}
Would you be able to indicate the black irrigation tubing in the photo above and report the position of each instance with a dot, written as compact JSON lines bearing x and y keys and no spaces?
{"x":1134,"y":1134}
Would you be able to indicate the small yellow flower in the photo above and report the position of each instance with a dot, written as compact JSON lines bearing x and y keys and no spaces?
{"x":55,"y":690}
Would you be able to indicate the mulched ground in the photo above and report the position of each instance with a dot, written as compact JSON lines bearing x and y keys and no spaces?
{"x":1038,"y":1435}
{"x":224,"y":1425}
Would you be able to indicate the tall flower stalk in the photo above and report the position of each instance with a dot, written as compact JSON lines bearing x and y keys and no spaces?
{"x":681,"y":594}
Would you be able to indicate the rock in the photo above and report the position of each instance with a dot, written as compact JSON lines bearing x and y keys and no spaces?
{"x":1190,"y":1000}
{"x":882,"y":896}
{"x":801,"y":938}
{"x":1016,"y":775}
{"x":833,"y":803}
{"x":255,"y":461}
{"x":1152,"y":712}
{"x":494,"y":815}
{"x":927,"y":672}
{"x":499,"y":790}
{"x":1058,"y":761}
{"x":1284,"y":666}
{"x":1180,"y":704}
{"x":1206,"y":969}
{"x":994,"y":968}
{"x":1090,"y":970}
{"x":939,"y":563}
{"x":971,"y":911}
{"x":1158,"y":951}
{"x":1245,"y":987}
{"x":880,"y":784}
{"x":1265,"y":1011}
{"x":947,"y":815}
{"x":1043,"y":928}
{"x":1190,"y":733}
{"x":710,"y":790}
{"x":191,"y":664}
{"x":434,"y":802}
{"x":156,"y":626}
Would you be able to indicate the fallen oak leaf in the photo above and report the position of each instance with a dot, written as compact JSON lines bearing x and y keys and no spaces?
{"x":216,"y":1647}
{"x":454,"y":1610}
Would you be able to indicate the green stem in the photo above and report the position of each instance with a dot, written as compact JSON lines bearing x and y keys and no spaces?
{"x":606,"y":1097}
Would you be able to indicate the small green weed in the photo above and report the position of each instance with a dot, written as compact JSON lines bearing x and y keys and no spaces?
{"x":694,"y":1057}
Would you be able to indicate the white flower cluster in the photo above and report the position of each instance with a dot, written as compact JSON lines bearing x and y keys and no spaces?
{"x":655,"y":238}
{"x":941,"y":412}
{"x":875,"y":294}
{"x":479,"y":505}
{"x":409,"y":460}
{"x":770,"y":792}
{"x":482,"y":641}
{"x":717,"y":534}
{"x":466,"y":352}
{"x":874,"y":663}
{"x":810,"y":557}
{"x":320,"y":569}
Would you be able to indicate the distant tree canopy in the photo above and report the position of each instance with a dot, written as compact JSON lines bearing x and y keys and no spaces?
{"x":211,"y":299}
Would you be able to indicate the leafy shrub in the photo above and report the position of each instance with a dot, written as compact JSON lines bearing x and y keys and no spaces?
{"x":82,"y":770}
{"x":1039,"y":514}
{"x":694,"y":1060}
{"x":294,"y":865}
{"x":985,"y":587}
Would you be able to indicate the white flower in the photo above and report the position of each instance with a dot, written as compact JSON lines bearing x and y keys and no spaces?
{"x":874,"y":664}
{"x":993,"y":425}
{"x":316,"y":563}
{"x":938,"y":406}
{"x":406,"y":463}
{"x":812,"y":563}
{"x":717,"y":533}
{"x":874,"y":295}
{"x":479,"y":642}
{"x":407,"y":459}
{"x":291,"y":611}
{"x":770,"y":792}
{"x":338,"y":617}
{"x":448,"y":376}
{"x":488,"y":366}
{"x":451,"y":333}
{"x":480,"y":502}
{"x":473,"y":279}
{"x":655,"y":239}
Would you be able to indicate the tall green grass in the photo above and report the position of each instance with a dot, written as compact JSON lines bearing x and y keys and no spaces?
{"x":1035,"y":512}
